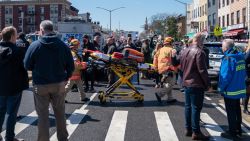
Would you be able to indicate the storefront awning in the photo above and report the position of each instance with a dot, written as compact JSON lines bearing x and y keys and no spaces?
{"x":233,"y":32}
{"x":190,"y":35}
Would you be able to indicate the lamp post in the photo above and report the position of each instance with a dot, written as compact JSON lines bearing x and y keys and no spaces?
{"x":110,"y":12}
{"x":186,"y":5}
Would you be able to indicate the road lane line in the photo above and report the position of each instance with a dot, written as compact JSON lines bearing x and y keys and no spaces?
{"x":117,"y":128}
{"x":225,"y":114}
{"x":75,"y":119}
{"x":24,"y":123}
{"x":165,"y":127}
{"x":212,"y":127}
{"x":208,"y":98}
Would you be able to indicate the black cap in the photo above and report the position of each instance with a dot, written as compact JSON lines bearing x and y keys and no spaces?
{"x":86,"y":36}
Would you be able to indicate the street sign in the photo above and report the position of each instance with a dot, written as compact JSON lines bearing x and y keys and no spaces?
{"x":217,"y":31}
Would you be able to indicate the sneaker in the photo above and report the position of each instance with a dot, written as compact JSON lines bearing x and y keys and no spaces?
{"x":228,"y":135}
{"x":171,"y":101}
{"x":86,"y":90}
{"x":74,"y":90}
{"x":85,"y":99}
{"x":92,"y":90}
{"x":246,"y":112}
{"x":158,"y":98}
{"x":157,"y":86}
{"x":16,"y":139}
{"x":188,"y":133}
{"x":200,"y":136}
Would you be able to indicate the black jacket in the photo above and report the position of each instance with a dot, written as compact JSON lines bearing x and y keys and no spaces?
{"x":23,"y":45}
{"x":13,"y":76}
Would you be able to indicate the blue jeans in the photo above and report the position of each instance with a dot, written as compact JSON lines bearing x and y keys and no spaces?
{"x":194,"y":101}
{"x":9,"y":105}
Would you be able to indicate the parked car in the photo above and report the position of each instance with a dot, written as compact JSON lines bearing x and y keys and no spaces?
{"x":215,"y":55}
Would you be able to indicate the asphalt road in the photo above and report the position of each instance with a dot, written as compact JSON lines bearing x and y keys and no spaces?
{"x":127,"y":120}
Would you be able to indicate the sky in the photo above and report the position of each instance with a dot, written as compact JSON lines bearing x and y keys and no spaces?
{"x":130,"y":18}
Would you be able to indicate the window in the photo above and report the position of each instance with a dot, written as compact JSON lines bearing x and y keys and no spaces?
{"x":223,"y":21}
{"x":232,"y":18}
{"x":209,"y":20}
{"x":219,"y":22}
{"x":42,"y":18}
{"x":219,"y":3}
{"x":201,"y":12}
{"x":227,"y":2}
{"x":20,"y":21}
{"x":214,"y":19}
{"x":227,"y":19}
{"x":205,"y":9}
{"x":244,"y":15}
{"x":209,"y":3}
{"x":213,"y":2}
{"x":8,"y":10}
{"x":223,"y":3}
{"x":31,"y":9}
{"x":31,"y":20}
{"x":20,"y":9}
{"x":42,"y":10}
{"x":8,"y":21}
{"x":238,"y":17}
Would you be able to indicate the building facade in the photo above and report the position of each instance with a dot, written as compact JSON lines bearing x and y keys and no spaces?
{"x":212,"y":15}
{"x":26,"y":15}
{"x":197,"y":13}
{"x":233,"y":18}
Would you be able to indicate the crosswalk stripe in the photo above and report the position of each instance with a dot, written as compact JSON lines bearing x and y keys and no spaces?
{"x":212,"y":127}
{"x":165,"y":127}
{"x":24,"y":123}
{"x":75,"y":118}
{"x":116,"y":131}
{"x":225,"y":114}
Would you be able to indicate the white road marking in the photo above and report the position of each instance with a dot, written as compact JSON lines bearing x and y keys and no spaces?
{"x":208,"y":98}
{"x":212,"y":127}
{"x":24,"y":123}
{"x":165,"y":127}
{"x":117,"y":128}
{"x":75,"y":118}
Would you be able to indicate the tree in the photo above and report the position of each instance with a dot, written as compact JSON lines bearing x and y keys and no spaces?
{"x":165,"y":24}
{"x":172,"y":28}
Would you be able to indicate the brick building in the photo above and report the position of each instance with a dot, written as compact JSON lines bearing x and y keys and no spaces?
{"x":26,"y":15}
{"x":233,"y":18}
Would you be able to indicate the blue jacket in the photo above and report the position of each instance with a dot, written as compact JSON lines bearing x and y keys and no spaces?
{"x":50,"y":60}
{"x":232,"y":75}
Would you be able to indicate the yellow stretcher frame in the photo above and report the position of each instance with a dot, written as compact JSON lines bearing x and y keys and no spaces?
{"x":124,"y":72}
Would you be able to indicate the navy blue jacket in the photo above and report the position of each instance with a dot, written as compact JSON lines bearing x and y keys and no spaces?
{"x":50,"y":60}
{"x":247,"y":59}
{"x":13,"y":76}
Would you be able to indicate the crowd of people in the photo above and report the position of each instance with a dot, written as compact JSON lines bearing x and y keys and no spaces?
{"x":58,"y":68}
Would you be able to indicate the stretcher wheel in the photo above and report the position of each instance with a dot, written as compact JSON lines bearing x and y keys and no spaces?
{"x":102,"y":98}
{"x":141,"y":99}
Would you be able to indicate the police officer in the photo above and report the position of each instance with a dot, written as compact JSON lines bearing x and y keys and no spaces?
{"x":22,"y":43}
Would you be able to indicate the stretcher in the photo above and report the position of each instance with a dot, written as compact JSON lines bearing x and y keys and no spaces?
{"x":124,"y":65}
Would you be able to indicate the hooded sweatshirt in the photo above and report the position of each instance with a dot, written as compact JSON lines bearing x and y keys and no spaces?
{"x":13,"y":76}
{"x":50,"y":60}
